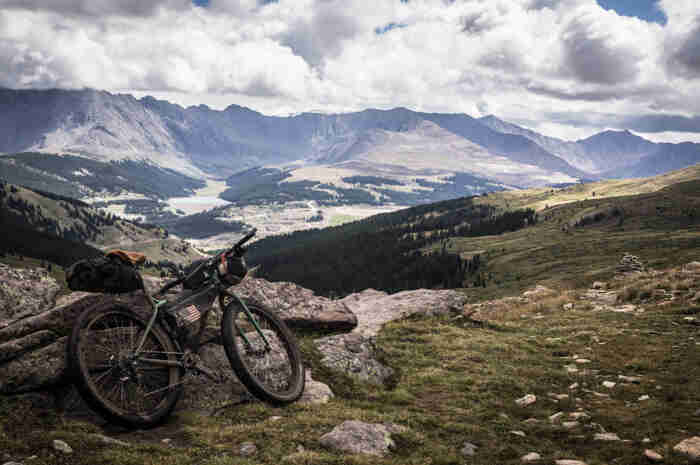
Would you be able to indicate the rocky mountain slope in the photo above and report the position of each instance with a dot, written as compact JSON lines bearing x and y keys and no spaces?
{"x":105,"y":126}
{"x":618,"y":154}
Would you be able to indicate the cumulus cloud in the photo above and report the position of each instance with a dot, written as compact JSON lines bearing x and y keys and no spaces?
{"x":526,"y":58}
{"x":97,"y":7}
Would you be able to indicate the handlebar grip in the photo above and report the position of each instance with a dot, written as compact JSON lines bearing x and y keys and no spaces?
{"x":246,"y":238}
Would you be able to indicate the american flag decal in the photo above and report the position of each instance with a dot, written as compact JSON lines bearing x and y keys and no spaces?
{"x":191,"y":314}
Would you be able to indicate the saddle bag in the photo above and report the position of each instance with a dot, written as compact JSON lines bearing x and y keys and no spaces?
{"x":109,"y":274}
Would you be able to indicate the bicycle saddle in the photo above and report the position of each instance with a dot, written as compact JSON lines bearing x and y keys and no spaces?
{"x":135,"y":258}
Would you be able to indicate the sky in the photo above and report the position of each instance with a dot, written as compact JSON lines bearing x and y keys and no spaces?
{"x":565,"y":68}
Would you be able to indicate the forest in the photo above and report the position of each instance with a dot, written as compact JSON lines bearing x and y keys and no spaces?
{"x":384,"y":251}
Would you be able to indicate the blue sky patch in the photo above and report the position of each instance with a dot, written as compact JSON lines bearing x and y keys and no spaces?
{"x":642,"y":9}
{"x":201,"y":2}
{"x":387,"y":28}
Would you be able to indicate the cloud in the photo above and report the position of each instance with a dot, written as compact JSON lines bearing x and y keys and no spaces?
{"x":526,"y":58}
{"x":597,"y":53}
{"x":97,"y":7}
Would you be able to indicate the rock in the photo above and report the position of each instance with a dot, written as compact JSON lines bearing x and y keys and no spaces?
{"x":570,"y":424}
{"x":202,"y":392}
{"x":692,"y":266}
{"x":528,"y":399}
{"x":606,"y":437}
{"x":402,"y":304}
{"x":630,"y":379}
{"x":573,"y":386}
{"x":568,"y":306}
{"x":599,"y":285}
{"x":582,"y":361}
{"x":653,"y":455}
{"x":556,"y":416}
{"x":531,"y":457}
{"x":13,"y":463}
{"x":297,"y":306}
{"x":643,"y":398}
{"x":33,"y":347}
{"x":538,"y":292}
{"x":469,"y":449}
{"x":247,"y":449}
{"x":357,"y":437}
{"x":62,"y":446}
{"x":608,"y":384}
{"x":356,"y":353}
{"x":630,"y":263}
{"x":569,"y":462}
{"x":166,"y":441}
{"x":107,"y":440}
{"x":39,"y":369}
{"x":579,"y":415}
{"x":315,"y":392}
{"x":518,"y":433}
{"x":25,"y":292}
{"x":646,"y":440}
{"x":690,"y":448}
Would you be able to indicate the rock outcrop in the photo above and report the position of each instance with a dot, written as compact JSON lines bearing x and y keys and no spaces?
{"x":355,"y":353}
{"x":33,"y":341}
{"x":25,"y":292}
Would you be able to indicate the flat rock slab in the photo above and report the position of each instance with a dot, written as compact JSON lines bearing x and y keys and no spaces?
{"x":374,"y":308}
{"x":297,"y":306}
{"x":355,"y":353}
{"x":357,"y":437}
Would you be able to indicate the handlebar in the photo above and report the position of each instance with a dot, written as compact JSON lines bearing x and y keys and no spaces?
{"x":246,"y":238}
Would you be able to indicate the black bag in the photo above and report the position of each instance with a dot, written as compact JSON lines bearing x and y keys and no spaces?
{"x":109,"y":274}
{"x":232,"y":269}
{"x":196,"y":275}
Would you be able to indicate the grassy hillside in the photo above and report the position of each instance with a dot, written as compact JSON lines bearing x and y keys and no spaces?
{"x":578,"y":242}
{"x":33,"y":213}
{"x":540,"y":198}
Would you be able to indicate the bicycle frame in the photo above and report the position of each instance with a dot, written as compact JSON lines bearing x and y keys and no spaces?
{"x":156,"y":304}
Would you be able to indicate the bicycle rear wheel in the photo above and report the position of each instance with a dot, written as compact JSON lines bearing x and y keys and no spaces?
{"x":272,"y":372}
{"x":119,"y":386}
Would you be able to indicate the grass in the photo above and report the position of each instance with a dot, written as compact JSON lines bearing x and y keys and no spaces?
{"x":459,"y":382}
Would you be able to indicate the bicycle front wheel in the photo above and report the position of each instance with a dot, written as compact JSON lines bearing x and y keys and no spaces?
{"x":266,"y":359}
{"x":125,"y":389}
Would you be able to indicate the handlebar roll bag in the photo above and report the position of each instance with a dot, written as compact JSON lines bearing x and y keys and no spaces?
{"x":232,"y":269}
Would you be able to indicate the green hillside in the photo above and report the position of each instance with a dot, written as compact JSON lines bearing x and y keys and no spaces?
{"x":575,"y":240}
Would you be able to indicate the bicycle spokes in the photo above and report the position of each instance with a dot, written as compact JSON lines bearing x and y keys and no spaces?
{"x":116,"y":374}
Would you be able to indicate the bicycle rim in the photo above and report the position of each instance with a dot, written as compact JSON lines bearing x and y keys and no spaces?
{"x":125,"y":390}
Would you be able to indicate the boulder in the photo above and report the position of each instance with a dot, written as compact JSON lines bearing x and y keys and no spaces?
{"x":25,"y":292}
{"x":297,"y":306}
{"x":33,"y":345}
{"x":690,"y":448}
{"x":357,"y":437}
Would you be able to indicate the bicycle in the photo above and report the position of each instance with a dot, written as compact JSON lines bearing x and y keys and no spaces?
{"x":132,"y":371}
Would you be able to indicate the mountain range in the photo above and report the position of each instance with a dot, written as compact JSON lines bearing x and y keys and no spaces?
{"x":413,"y":149}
